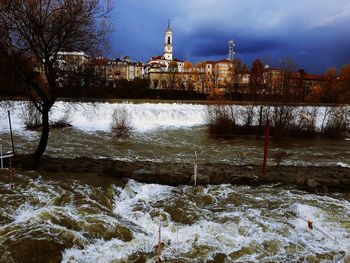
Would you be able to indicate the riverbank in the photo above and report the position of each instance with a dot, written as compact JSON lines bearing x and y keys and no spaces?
{"x":316,"y":179}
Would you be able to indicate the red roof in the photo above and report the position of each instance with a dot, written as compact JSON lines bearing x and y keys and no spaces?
{"x":157,"y":58}
{"x":156,"y":64}
{"x":312,"y":77}
{"x":177,"y":60}
{"x":162,"y":58}
{"x":99,"y":61}
{"x":307,"y":76}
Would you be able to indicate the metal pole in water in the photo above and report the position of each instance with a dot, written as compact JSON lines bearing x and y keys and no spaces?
{"x":13,"y":145}
{"x":266,"y":145}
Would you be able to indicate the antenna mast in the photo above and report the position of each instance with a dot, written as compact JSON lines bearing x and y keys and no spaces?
{"x":231,"y":50}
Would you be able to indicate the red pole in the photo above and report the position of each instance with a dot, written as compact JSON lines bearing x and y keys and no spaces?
{"x":266,"y":145}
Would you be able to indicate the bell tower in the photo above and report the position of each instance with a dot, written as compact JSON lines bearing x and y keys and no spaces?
{"x":168,"y":43}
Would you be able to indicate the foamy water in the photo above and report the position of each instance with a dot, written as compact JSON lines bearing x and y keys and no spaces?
{"x":162,"y":132}
{"x":240,"y":232}
{"x":92,"y":117}
{"x":144,"y":117}
{"x":238,"y":223}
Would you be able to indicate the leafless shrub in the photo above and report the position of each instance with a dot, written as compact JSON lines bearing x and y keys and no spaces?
{"x":280,"y":156}
{"x":283,"y":120}
{"x":336,"y":122}
{"x":220,"y":120}
{"x":31,"y":117}
{"x":62,"y":122}
{"x":253,"y":119}
{"x":262,"y":115}
{"x":305,"y":125}
{"x":247,"y":115}
{"x":121,"y":122}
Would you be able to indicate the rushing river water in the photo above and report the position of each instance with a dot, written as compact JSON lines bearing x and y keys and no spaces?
{"x":92,"y":219}
{"x":95,"y":219}
{"x":162,"y":132}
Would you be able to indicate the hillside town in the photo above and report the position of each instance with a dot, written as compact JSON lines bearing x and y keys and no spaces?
{"x":167,"y":74}
{"x":225,"y":77}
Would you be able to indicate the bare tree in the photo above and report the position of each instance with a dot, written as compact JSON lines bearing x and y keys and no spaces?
{"x":236,"y":71}
{"x":287,"y":66}
{"x":172,"y":76}
{"x":345,"y":84}
{"x":37,"y":30}
{"x":283,"y":114}
{"x":256,"y":79}
{"x":330,"y":90}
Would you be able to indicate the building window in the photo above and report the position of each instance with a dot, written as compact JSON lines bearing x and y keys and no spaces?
{"x":168,"y":40}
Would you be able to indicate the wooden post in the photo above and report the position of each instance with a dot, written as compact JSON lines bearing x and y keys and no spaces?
{"x":266,"y":146}
{"x":13,"y":145}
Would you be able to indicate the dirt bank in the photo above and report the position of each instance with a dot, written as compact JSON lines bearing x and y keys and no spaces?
{"x":313,"y":178}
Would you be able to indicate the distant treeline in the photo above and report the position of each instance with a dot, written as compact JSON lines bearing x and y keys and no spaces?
{"x":122,"y":89}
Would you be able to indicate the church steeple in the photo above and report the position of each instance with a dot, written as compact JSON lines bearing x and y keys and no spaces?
{"x":168,"y":27}
{"x":168,"y":43}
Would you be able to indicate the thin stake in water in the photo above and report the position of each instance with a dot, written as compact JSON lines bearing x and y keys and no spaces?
{"x":195,"y":169}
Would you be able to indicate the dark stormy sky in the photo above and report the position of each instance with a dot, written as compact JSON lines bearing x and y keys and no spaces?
{"x":314,"y":33}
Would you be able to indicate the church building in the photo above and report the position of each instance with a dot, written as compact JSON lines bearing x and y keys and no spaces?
{"x":168,"y":73}
{"x":166,"y":62}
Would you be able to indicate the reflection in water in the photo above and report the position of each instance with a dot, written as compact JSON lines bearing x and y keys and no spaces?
{"x":93,"y":219}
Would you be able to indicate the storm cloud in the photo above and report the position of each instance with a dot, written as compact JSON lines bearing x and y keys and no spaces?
{"x":314,"y":33}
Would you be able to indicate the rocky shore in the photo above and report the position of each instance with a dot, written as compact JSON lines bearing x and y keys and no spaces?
{"x":312,"y":178}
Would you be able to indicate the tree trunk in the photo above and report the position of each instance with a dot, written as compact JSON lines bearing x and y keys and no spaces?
{"x":44,"y":134}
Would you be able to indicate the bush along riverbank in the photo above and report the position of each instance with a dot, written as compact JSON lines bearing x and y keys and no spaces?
{"x":312,"y":178}
{"x":284,"y":121}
